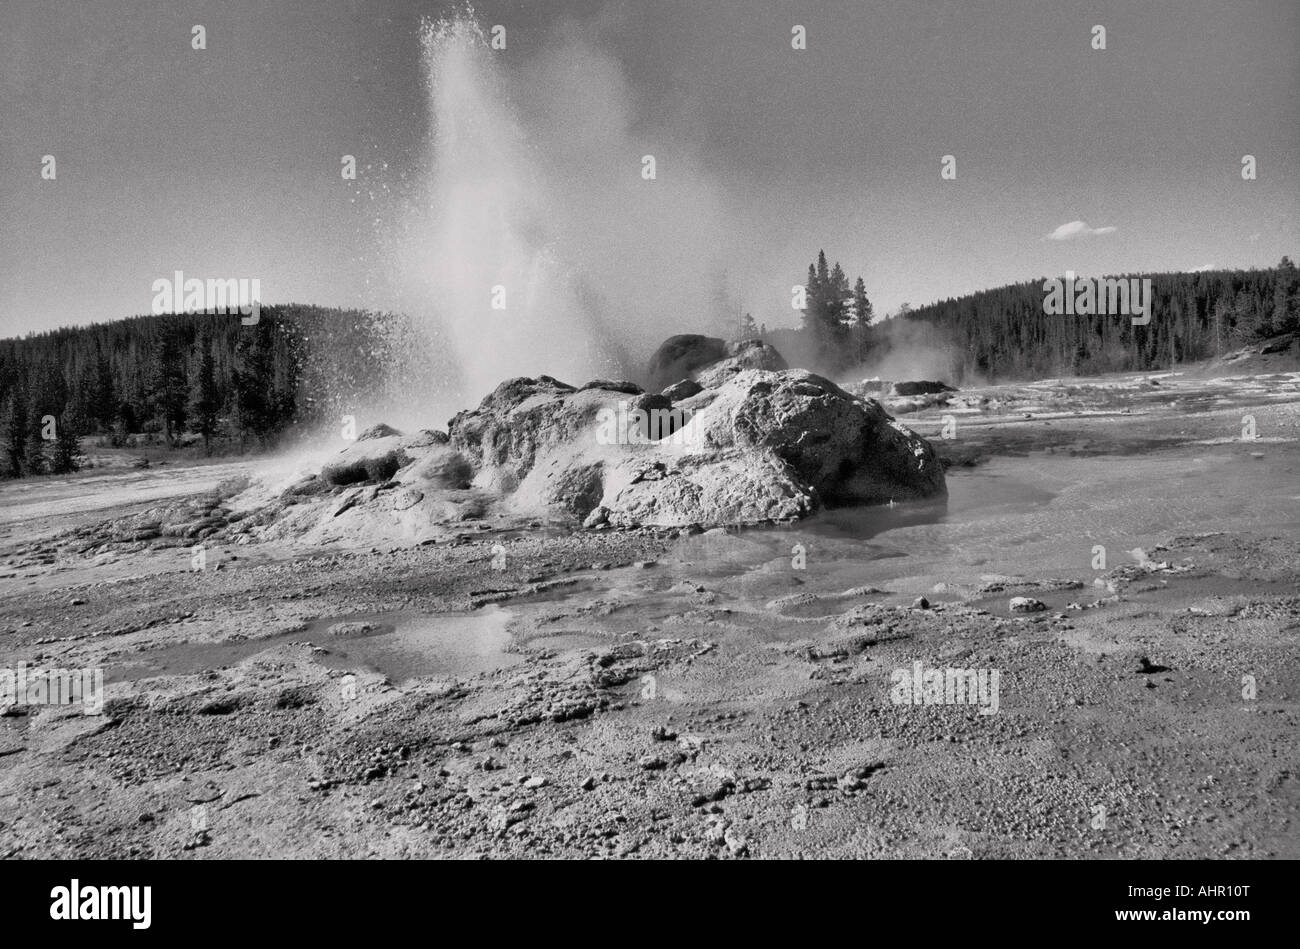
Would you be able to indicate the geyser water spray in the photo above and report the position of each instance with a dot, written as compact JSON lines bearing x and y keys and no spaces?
{"x":483,"y":263}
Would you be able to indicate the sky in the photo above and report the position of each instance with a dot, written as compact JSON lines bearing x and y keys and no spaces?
{"x":225,"y":162}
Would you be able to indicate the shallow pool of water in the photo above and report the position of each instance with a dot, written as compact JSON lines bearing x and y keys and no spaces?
{"x":401,"y":645}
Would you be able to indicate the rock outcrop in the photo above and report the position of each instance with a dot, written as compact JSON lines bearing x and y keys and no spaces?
{"x":746,"y":354}
{"x":741,"y":446}
{"x":920,"y":387}
{"x":903,"y":397}
{"x":707,"y":360}
{"x":762,"y":446}
{"x":373,"y":458}
{"x":679,"y":356}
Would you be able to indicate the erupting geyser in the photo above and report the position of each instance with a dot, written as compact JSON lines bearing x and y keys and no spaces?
{"x":484,"y":261}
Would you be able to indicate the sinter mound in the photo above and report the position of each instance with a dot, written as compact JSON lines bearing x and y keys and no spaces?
{"x":738,"y":446}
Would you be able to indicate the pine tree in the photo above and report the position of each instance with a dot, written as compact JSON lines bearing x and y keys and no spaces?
{"x":205,"y":399}
{"x":34,"y":448}
{"x":66,"y":455}
{"x":1246,"y":320}
{"x":103,"y":406}
{"x":1222,"y":316}
{"x":168,"y":381}
{"x":1284,"y":316}
{"x":14,"y":428}
{"x":253,"y":383}
{"x":861,"y":321}
{"x":827,"y":318}
{"x":812,"y":294}
{"x":861,"y":305}
{"x":836,"y":295}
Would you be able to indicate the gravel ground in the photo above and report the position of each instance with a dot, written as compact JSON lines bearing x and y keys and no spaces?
{"x":716,"y":695}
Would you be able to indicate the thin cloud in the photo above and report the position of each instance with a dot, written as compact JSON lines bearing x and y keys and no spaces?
{"x":1076,"y":229}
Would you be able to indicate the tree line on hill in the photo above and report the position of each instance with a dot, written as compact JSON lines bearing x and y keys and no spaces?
{"x":1005,"y":333}
{"x":176,"y":378}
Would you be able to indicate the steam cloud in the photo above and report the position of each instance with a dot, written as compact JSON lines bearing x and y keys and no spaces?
{"x":533,"y":184}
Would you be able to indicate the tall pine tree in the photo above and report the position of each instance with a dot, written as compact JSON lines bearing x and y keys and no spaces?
{"x":205,"y":398}
{"x":168,"y":380}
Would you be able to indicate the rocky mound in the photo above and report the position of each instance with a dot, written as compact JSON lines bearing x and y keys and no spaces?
{"x":762,"y":446}
{"x":679,"y":356}
{"x":758,"y":447}
{"x":746,"y":354}
{"x":920,"y":387}
{"x":903,"y":397}
{"x":707,"y":360}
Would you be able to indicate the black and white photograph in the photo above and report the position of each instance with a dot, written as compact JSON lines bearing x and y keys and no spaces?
{"x":650,"y":430}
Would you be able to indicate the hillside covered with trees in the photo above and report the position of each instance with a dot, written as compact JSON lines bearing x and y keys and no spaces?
{"x":172,"y":378}
{"x":1005,"y":333}
{"x":177,"y":379}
